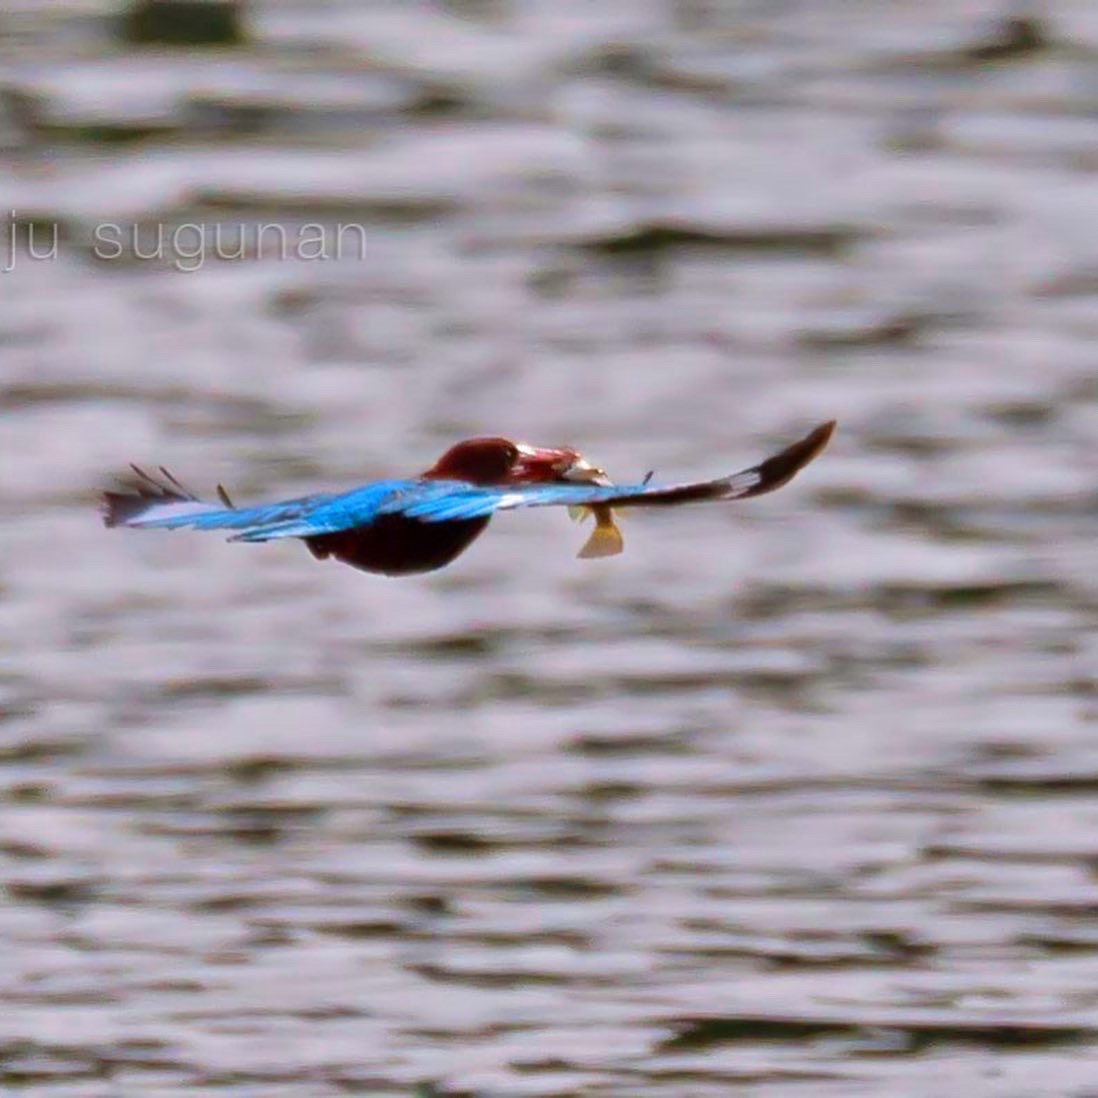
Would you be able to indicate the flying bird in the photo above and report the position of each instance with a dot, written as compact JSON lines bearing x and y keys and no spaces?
{"x":419,"y":524}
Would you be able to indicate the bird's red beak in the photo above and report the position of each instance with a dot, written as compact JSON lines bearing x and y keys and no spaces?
{"x":539,"y":464}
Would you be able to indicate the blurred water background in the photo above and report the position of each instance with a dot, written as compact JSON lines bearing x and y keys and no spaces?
{"x":797,"y":797}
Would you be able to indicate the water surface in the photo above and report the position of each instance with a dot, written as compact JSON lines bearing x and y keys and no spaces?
{"x":797,"y":797}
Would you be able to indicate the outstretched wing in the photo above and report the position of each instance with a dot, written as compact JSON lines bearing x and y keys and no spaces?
{"x":466,"y":502}
{"x":165,"y":504}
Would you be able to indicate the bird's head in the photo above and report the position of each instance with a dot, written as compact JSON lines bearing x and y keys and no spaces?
{"x":499,"y":461}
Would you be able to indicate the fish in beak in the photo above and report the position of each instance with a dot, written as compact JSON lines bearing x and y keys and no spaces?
{"x":535,"y":464}
{"x":605,"y":539}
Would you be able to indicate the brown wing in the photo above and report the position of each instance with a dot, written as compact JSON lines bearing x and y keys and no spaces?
{"x":765,"y":477}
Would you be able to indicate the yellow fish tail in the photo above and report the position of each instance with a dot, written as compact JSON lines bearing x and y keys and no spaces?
{"x":605,"y":541}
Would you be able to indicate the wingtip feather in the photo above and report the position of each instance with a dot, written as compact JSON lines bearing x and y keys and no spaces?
{"x":783,"y":466}
{"x":140,"y":494}
{"x":116,"y":508}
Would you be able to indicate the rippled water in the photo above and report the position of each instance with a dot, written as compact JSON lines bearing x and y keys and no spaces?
{"x":796,"y":797}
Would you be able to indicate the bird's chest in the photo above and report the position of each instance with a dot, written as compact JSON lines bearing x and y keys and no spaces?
{"x":396,"y":546}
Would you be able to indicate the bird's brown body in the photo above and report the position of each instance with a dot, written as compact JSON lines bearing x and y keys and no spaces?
{"x":397,"y":546}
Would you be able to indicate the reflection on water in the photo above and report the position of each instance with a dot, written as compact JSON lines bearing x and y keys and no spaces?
{"x":799,"y":795}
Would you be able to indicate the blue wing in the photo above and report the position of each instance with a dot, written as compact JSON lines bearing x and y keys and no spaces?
{"x":464,"y":501}
{"x":167,"y":505}
{"x":156,"y":505}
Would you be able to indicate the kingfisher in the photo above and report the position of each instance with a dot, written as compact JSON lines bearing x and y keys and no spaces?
{"x":420,"y":524}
